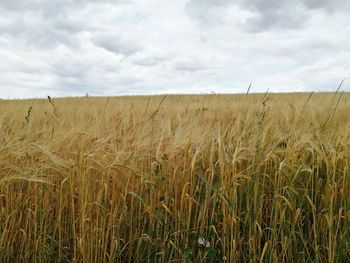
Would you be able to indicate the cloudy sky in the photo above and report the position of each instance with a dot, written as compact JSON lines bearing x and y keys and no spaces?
{"x":106,"y":47}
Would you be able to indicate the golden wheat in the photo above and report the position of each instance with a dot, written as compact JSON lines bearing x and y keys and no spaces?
{"x":211,"y":178}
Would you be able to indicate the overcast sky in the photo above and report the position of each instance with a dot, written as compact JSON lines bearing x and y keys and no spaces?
{"x":106,"y":47}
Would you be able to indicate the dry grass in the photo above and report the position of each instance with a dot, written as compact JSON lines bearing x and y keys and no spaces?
{"x":215,"y":178}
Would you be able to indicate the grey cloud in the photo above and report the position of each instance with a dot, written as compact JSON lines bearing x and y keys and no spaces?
{"x":189,"y":66}
{"x":49,"y":38}
{"x":207,"y":12}
{"x":267,"y":14}
{"x":299,"y":49}
{"x":77,"y":70}
{"x":116,"y":44}
{"x":149,"y":60}
{"x":51,"y":7}
{"x":276,"y":19}
{"x":39,"y":32}
{"x":284,"y":14}
{"x":328,"y":5}
{"x":48,"y":23}
{"x":44,"y":7}
{"x":70,"y":23}
{"x":69,"y":47}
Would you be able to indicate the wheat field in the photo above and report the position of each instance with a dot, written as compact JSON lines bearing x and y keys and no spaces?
{"x":177,"y":178}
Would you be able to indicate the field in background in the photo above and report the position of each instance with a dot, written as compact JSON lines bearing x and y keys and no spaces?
{"x":195,"y":178}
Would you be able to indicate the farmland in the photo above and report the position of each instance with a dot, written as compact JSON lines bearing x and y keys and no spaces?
{"x":177,"y":178}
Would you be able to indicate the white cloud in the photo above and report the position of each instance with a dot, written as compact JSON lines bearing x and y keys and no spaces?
{"x":63,"y":48}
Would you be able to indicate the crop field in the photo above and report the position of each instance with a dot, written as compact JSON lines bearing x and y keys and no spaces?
{"x":177,"y":178}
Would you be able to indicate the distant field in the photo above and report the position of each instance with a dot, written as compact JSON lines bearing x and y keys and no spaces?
{"x":192,"y":178}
